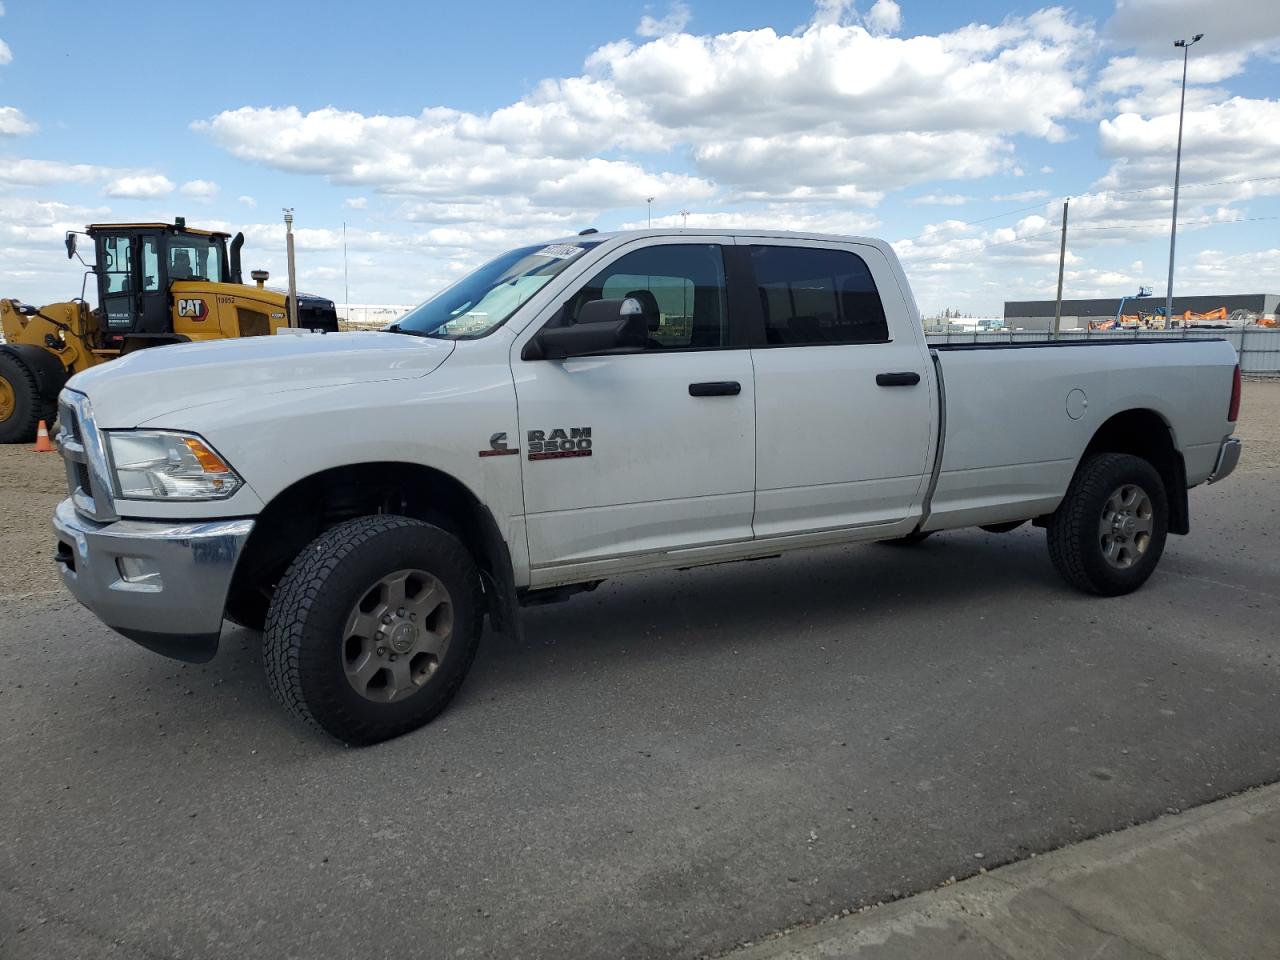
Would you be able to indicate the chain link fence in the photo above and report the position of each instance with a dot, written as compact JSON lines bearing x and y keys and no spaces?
{"x":1259,"y":348}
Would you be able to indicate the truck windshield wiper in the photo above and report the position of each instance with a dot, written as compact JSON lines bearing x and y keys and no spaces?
{"x":396,"y":328}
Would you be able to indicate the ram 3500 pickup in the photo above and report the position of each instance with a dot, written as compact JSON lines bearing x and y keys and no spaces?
{"x":591,"y":407}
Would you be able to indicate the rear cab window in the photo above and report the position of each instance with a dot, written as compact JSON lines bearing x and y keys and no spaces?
{"x":812,"y":296}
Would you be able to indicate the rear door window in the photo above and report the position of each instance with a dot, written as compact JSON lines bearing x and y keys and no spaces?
{"x":812,"y":296}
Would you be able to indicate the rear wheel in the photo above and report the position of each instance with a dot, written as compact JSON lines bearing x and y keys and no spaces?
{"x":21,"y":406}
{"x":1109,"y":532}
{"x":373,"y":628}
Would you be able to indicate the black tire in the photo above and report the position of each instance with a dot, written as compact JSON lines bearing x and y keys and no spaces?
{"x":910,"y":540}
{"x":1075,"y":542}
{"x":28,"y":408}
{"x":303,"y":642}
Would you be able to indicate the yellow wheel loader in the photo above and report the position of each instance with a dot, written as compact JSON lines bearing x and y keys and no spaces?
{"x":158,"y":283}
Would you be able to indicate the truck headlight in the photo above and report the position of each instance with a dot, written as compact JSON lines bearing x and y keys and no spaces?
{"x":158,"y":465}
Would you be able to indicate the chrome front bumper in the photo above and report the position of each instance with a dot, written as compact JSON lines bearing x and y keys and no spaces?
{"x":1228,"y":457}
{"x":161,"y":584}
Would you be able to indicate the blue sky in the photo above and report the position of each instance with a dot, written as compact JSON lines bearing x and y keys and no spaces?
{"x":442,"y":133}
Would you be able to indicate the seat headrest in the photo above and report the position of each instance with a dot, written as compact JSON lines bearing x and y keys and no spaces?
{"x":649,"y":304}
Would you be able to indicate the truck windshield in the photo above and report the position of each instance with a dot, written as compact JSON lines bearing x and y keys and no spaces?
{"x":483,"y":300}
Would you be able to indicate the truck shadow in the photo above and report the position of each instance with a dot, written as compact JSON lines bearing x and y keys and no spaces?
{"x":832,"y":592}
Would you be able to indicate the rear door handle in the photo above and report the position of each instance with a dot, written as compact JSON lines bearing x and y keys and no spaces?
{"x":908,"y":379}
{"x":715,"y":388}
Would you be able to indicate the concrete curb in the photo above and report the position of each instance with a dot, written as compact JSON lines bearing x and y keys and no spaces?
{"x":1200,"y":884}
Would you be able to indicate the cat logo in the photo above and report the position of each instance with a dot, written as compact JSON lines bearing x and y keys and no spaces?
{"x":195,"y":309}
{"x":559,"y":443}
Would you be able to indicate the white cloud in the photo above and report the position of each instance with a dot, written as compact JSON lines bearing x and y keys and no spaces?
{"x":1237,"y":141}
{"x":827,"y":13}
{"x":247,"y":201}
{"x":677,"y":18}
{"x":355,"y":203}
{"x":1021,"y":197}
{"x":1228,"y":25}
{"x":941,"y":199}
{"x":6,"y":55}
{"x":1046,"y":169}
{"x":139,"y":186}
{"x":832,"y":110}
{"x":774,"y":217}
{"x":1214,"y":271}
{"x":36,"y":268}
{"x":199,"y":189}
{"x":13,"y":122}
{"x":35,"y":173}
{"x":884,"y":17}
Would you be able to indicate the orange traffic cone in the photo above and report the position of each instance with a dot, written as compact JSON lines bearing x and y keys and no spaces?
{"x":42,"y":439}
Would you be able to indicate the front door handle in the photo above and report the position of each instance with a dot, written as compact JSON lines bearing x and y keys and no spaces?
{"x":715,"y":388}
{"x":908,"y":379}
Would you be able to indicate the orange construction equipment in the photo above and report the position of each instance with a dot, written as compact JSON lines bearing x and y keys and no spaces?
{"x":42,"y":439}
{"x":1220,"y":313}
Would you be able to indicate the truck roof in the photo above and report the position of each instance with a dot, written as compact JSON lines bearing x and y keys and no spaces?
{"x":762,"y":232}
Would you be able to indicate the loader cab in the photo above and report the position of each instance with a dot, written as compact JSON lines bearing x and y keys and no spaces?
{"x":137,"y":263}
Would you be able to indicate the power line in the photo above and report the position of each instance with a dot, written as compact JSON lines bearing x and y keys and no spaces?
{"x":1103,"y":194}
{"x":1199,"y":221}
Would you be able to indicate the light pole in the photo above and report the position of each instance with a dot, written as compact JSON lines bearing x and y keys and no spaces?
{"x":1177,"y":174}
{"x":293,"y":276}
{"x":649,"y":202}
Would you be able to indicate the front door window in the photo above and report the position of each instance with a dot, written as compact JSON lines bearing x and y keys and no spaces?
{"x":118,"y":288}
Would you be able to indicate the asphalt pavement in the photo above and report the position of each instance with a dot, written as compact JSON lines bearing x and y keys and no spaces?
{"x":670,"y":766}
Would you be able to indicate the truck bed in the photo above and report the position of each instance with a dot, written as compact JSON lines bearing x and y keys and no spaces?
{"x":1018,"y":416}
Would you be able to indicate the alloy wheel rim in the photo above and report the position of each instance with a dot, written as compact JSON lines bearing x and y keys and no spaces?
{"x":396,"y":635}
{"x":1126,"y":525}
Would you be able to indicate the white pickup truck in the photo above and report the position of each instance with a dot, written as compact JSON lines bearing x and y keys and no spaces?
{"x":599,"y":405}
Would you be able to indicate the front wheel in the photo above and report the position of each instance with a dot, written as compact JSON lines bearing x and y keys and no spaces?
{"x":373,"y":628}
{"x":1107,"y":535}
{"x":21,"y":406}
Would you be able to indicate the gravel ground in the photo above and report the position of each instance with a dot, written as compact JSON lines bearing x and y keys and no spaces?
{"x":31,"y":484}
{"x":1259,"y":424}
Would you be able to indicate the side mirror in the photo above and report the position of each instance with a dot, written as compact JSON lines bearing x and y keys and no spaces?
{"x":71,"y":244}
{"x":604,"y":326}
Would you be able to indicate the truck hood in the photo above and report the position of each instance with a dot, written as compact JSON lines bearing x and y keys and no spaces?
{"x":162,"y":380}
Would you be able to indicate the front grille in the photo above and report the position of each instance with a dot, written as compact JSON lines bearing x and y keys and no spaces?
{"x":84,"y":457}
{"x":82,"y":478}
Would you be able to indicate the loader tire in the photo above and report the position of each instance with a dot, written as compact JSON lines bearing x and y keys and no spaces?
{"x":373,"y":628}
{"x":1107,"y":535}
{"x":21,"y":406}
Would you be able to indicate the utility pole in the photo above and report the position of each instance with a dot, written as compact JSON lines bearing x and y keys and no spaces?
{"x":293,"y":276}
{"x":1177,"y":175}
{"x":1062,"y":264}
{"x":346,"y":278}
{"x":649,"y":202}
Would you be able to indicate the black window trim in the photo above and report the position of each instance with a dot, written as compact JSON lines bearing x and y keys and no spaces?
{"x":749,"y":301}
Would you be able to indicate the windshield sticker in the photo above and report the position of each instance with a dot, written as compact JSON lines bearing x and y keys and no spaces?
{"x":559,"y":251}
